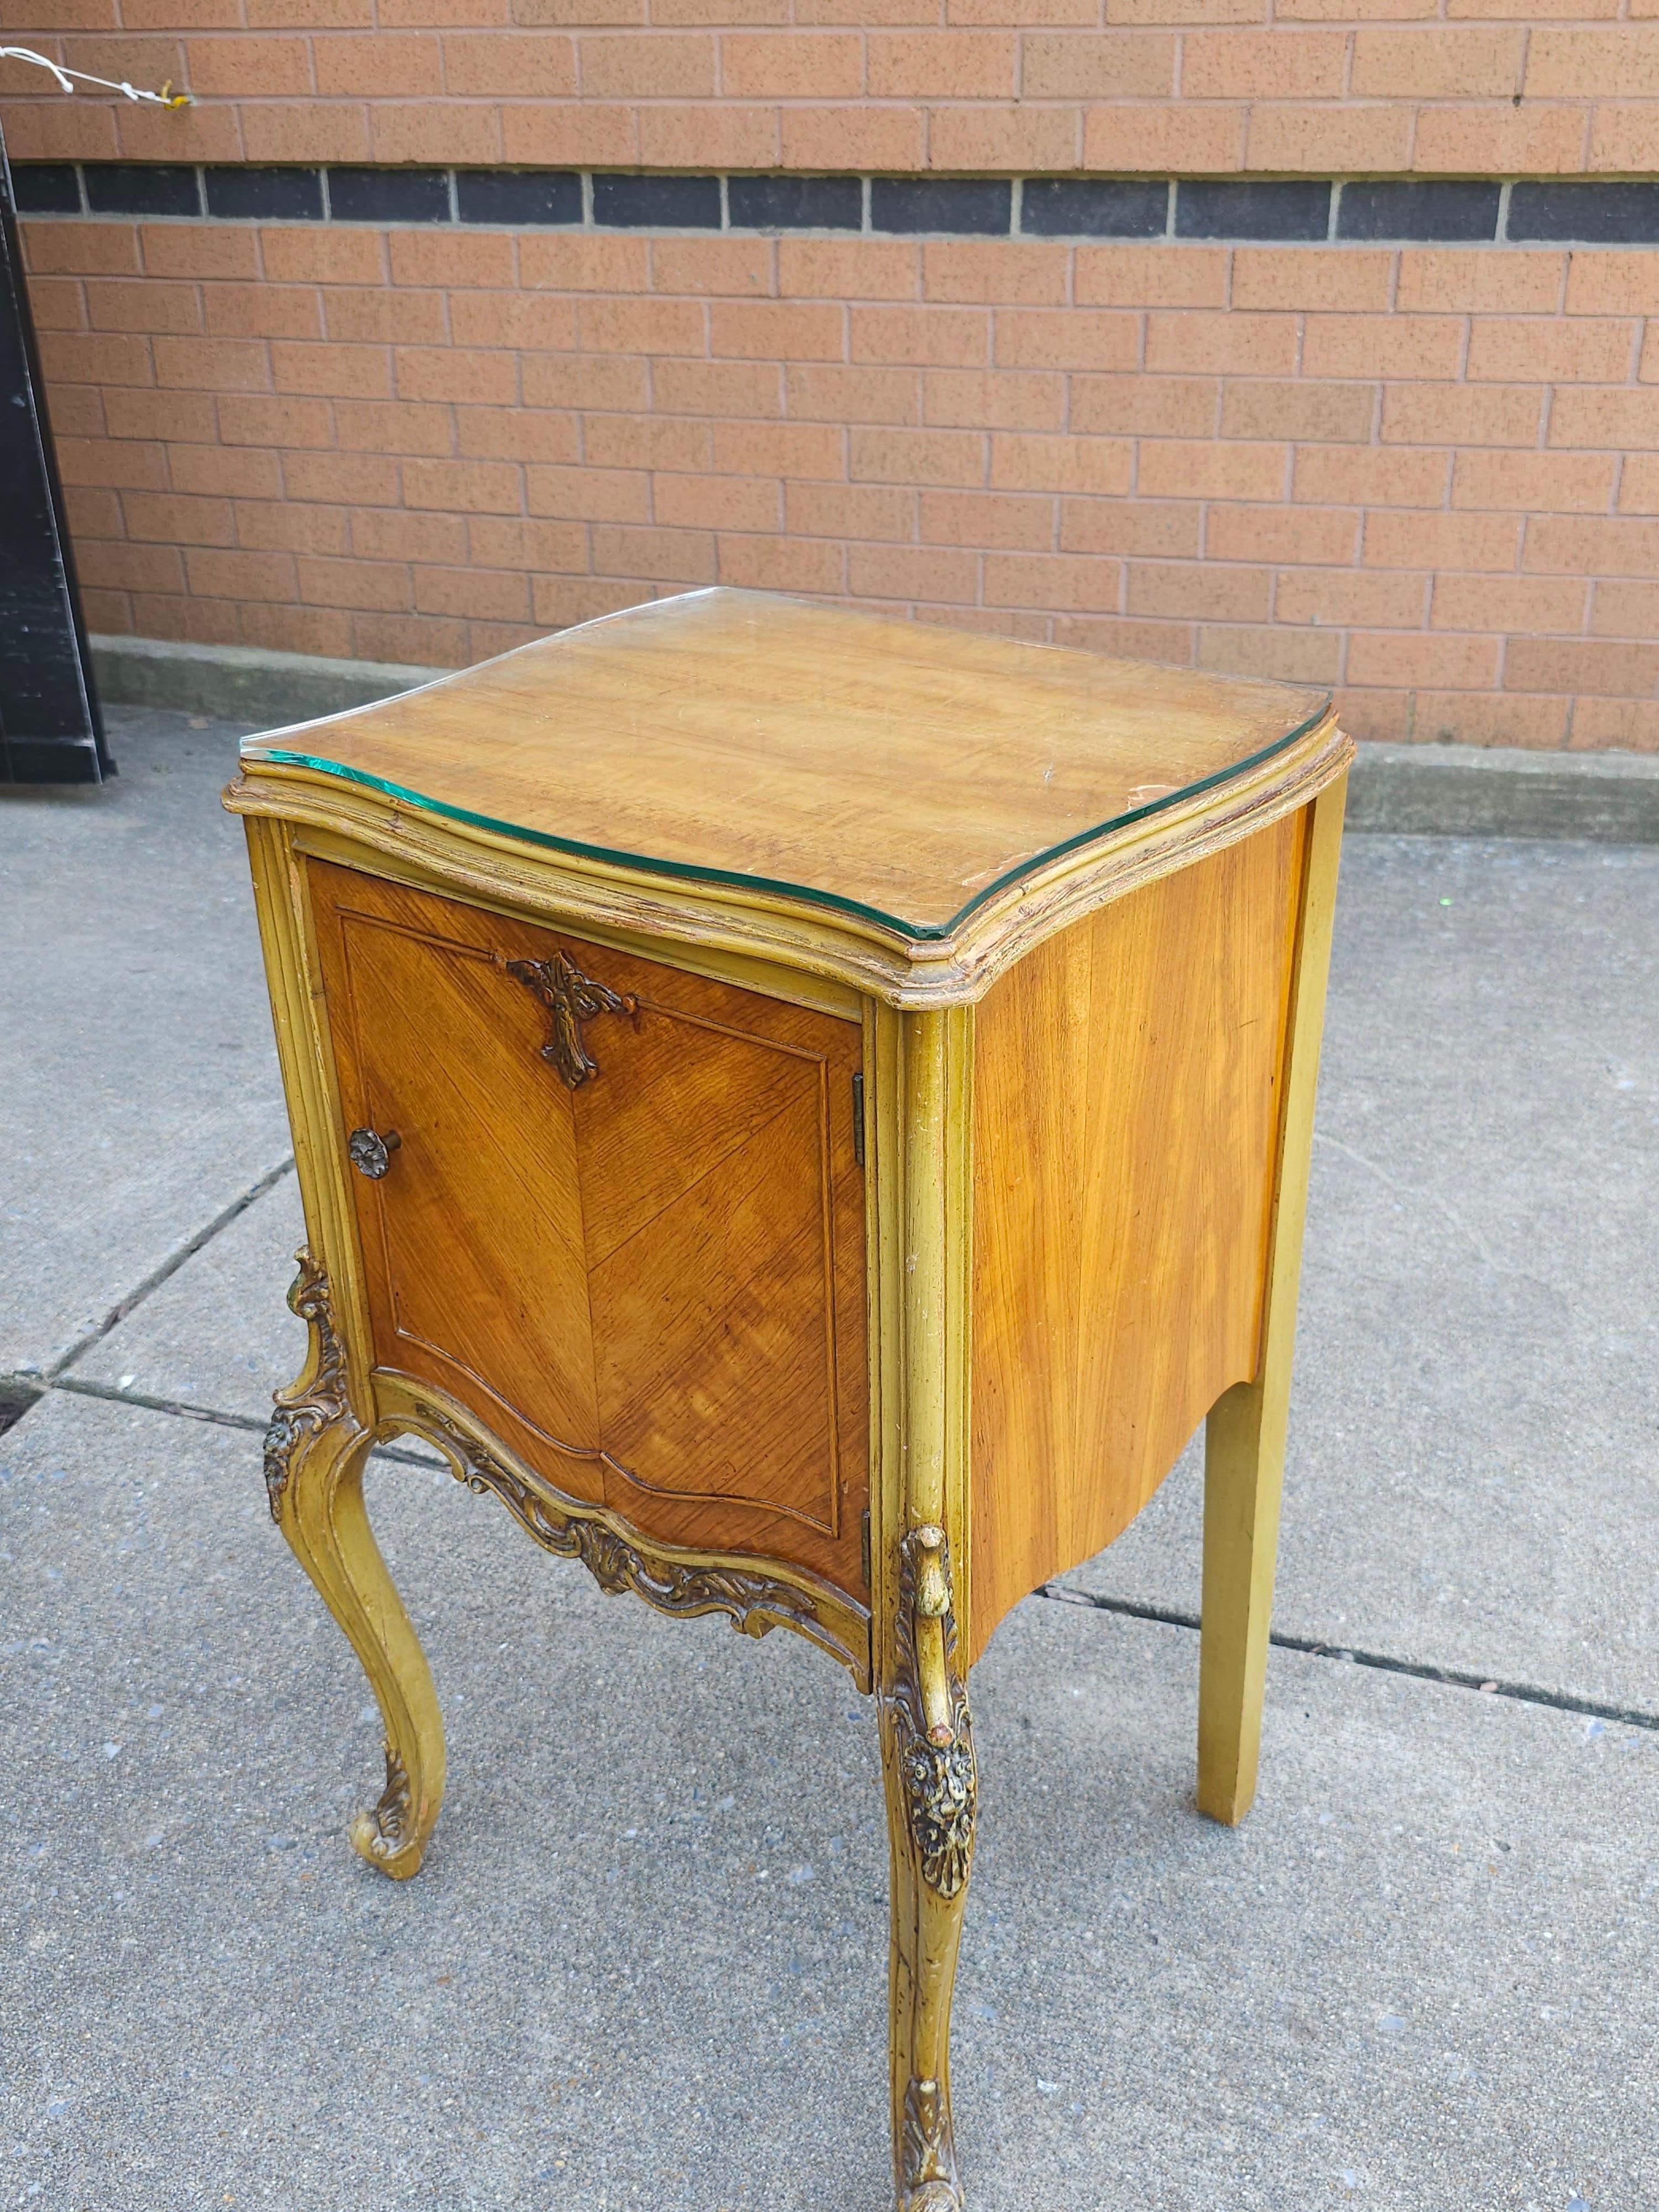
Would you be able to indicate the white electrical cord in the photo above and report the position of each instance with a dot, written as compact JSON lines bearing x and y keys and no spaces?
{"x":166,"y":98}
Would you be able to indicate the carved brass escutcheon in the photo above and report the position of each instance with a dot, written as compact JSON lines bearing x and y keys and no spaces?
{"x":571,"y":998}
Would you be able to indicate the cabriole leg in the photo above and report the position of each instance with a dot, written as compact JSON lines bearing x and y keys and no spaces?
{"x":928,"y":1759}
{"x":315,"y":1452}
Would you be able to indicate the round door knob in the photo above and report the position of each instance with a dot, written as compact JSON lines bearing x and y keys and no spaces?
{"x":371,"y":1152}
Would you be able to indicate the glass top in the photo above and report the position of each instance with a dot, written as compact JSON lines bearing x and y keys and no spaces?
{"x":892,"y":770}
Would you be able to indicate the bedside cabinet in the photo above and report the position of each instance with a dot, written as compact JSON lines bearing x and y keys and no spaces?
{"x":810,"y":1110}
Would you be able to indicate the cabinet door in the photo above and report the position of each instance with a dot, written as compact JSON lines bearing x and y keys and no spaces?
{"x":648,"y":1280}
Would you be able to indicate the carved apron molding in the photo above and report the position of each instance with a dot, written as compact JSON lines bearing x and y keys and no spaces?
{"x":319,"y":1397}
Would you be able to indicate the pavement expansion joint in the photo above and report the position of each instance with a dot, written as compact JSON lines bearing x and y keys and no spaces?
{"x":111,"y":1394}
{"x":169,"y":1267}
{"x":1310,"y":1647}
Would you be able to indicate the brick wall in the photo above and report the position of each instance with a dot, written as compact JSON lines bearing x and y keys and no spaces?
{"x":1426,"y":472}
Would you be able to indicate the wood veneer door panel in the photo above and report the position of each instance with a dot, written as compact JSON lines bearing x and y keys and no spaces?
{"x":651,"y":1286}
{"x":1126,"y":1112}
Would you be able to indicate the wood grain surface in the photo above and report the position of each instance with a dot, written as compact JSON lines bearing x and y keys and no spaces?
{"x":894,"y":767}
{"x":1125,"y":1113}
{"x":651,"y":1286}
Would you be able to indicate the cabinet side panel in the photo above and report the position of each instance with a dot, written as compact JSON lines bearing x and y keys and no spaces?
{"x":1126,"y":1109}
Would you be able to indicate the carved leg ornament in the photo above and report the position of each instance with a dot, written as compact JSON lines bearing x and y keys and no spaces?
{"x":315,"y":1448}
{"x":928,"y":1753}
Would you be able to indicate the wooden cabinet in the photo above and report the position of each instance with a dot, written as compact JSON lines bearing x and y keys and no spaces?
{"x":809,"y":1111}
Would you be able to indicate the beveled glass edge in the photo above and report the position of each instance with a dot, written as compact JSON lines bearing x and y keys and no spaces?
{"x":691,"y":872}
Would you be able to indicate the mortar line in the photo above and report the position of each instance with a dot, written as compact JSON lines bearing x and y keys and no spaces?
{"x":169,"y":1267}
{"x":1311,"y":1647}
{"x":77,"y":1386}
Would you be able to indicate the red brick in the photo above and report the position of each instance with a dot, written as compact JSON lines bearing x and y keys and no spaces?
{"x":1259,"y":407}
{"x":1608,"y":284}
{"x":479,"y":594}
{"x":660,"y":65}
{"x":486,"y":379}
{"x":708,"y":502}
{"x":569,"y":135}
{"x":387,"y":66}
{"x":466,"y":259}
{"x":429,"y":131}
{"x":82,"y":249}
{"x":1620,"y":609}
{"x":184,"y":249}
{"x":793,"y":66}
{"x":1437,"y":64}
{"x":119,"y":463}
{"x":130,"y":567}
{"x":1535,"y":483}
{"x":1073,"y":338}
{"x":1004,"y":136}
{"x":897,"y":572}
{"x":1226,"y":345}
{"x":508,"y":542}
{"x":1462,"y":718}
{"x":1162,"y":141}
{"x":1615,"y":670}
{"x":917,"y":456}
{"x":560,"y":600}
{"x":279,"y":311}
{"x":307,"y":254}
{"x":463,"y":486}
{"x":1475,"y":141}
{"x":717,"y":388}
{"x":298,"y":630}
{"x":591,"y":381}
{"x":668,"y":556}
{"x":253,"y":420}
{"x":1151,"y":276}
{"x":842,"y":138}
{"x":221,"y":575}
{"x":1091,"y":65}
{"x":780,"y":449}
{"x":301,"y":130}
{"x":1405,"y":658}
{"x":383,"y":586}
{"x":509,"y":65}
{"x":1153,"y":529}
{"x":1461,"y":414}
{"x":425,"y":641}
{"x":1638,"y":484}
{"x":354,"y":372}
{"x":395,"y":535}
{"x":360,"y":314}
{"x":1102,"y":465}
{"x":1345,"y":278}
{"x":623,"y":441}
{"x":140,"y":303}
{"x":942,"y":65}
{"x":1010,"y":521}
{"x":1374,"y":598}
{"x":852,"y":511}
{"x":1526,"y":351}
{"x":1004,"y":272}
{"x":515,"y":434}
{"x":1623,"y":138}
{"x":1068,"y":583}
{"x":1196,"y":591}
{"x":1174,"y":469}
{"x":773,"y":329}
{"x":1154,"y":406}
{"x":740,"y":268}
{"x":212,"y":364}
{"x":1470,"y":281}
{"x":174,"y":519}
{"x":1299,"y":140}
{"x":1382,"y":345}
{"x":646,"y":327}
{"x":393,"y":426}
{"x":1576,"y":63}
{"x":834,"y":268}
{"x":1442,"y":541}
{"x":853,"y":395}
{"x":1169,"y":642}
{"x":780,"y":565}
{"x":361,"y":479}
{"x":1509,"y":603}
{"x":1278,"y":64}
{"x":1616,"y":725}
{"x":994,"y":398}
{"x":284,"y":526}
{"x":93,"y":511}
{"x":1326,"y":537}
{"x":239,"y":471}
{"x":1371,"y":476}
{"x":937,"y":337}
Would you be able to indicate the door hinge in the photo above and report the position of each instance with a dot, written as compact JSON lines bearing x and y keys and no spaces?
{"x":863,"y":1544}
{"x":858,"y":1119}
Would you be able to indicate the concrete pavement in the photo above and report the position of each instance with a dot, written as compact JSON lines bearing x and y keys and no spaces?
{"x":645,"y":1961}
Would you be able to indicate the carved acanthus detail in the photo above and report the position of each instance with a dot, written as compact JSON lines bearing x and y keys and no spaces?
{"x":934,"y":1728}
{"x":755,"y":1603}
{"x":389,"y":1823}
{"x":927,"y":2158}
{"x":319,"y":1395}
{"x":571,"y":998}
